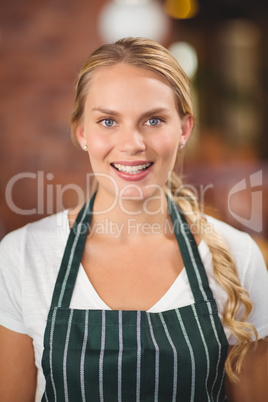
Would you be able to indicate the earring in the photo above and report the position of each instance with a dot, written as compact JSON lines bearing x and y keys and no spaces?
{"x":84,"y":147}
{"x":181,"y":146}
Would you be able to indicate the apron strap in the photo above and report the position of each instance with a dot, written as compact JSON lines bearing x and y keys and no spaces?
{"x":189,"y":251}
{"x":76,"y":242}
{"x":72,"y":257}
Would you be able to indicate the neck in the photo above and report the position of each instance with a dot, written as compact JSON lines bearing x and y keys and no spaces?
{"x":119,"y":218}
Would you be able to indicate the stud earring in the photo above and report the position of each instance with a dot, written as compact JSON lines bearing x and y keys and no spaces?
{"x":181,"y":146}
{"x":84,"y":147}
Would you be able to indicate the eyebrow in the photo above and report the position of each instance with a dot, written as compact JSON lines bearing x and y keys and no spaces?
{"x":105,"y":111}
{"x":148,"y":113}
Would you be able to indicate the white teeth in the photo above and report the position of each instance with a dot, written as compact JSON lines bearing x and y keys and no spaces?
{"x":131,"y":169}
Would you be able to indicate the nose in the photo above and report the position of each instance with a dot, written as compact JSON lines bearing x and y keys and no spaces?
{"x":131,"y":141}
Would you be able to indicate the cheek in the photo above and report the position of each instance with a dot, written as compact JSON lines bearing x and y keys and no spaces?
{"x":167,"y":146}
{"x":98,"y":147}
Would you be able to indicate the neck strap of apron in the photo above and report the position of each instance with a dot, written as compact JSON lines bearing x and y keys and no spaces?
{"x":190,"y":255}
{"x":76,"y":242}
{"x":72,"y":257}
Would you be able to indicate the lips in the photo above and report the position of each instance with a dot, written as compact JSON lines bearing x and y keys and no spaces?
{"x":131,"y":169}
{"x":135,"y":170}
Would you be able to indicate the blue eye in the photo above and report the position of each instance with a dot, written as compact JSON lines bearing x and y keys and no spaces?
{"x":153,"y":121}
{"x":107,"y":122}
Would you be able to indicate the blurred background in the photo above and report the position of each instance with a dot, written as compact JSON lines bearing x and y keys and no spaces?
{"x":221,"y":44}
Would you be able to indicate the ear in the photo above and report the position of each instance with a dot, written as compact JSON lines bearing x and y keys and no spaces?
{"x":80,"y":135}
{"x":187,"y":125}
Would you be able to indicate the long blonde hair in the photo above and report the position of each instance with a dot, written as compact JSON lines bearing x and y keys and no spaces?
{"x":147,"y":54}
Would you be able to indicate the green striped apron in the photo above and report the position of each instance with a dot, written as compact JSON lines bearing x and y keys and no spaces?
{"x":131,"y":356}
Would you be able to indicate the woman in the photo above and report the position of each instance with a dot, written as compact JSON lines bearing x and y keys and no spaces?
{"x":162,"y":306}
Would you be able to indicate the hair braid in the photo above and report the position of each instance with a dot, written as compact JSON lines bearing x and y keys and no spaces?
{"x":225,"y":272}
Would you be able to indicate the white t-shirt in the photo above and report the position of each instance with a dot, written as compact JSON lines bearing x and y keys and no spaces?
{"x":30,"y":258}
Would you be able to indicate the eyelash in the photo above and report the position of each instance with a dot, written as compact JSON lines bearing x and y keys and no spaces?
{"x":160,"y":120}
{"x":106,"y":119}
{"x":155,"y":118}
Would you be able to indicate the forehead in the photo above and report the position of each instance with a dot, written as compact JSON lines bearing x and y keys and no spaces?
{"x":125,"y":69}
{"x":128,"y":83}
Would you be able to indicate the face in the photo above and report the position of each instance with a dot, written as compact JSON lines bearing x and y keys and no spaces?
{"x":132,"y":129}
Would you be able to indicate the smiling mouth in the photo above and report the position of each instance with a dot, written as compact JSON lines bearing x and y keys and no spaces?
{"x":131,"y":169}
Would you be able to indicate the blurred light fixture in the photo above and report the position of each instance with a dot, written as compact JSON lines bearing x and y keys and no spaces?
{"x":122,"y":18}
{"x":186,"y":56}
{"x":182,"y":9}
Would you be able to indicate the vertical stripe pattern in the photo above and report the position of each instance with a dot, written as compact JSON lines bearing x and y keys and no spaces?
{"x":51,"y":353}
{"x":69,"y":266}
{"x":190,"y":252}
{"x":204,"y":293}
{"x":191,"y":354}
{"x":156,"y":385}
{"x":138,"y":385}
{"x":175,"y":355}
{"x":103,"y":331}
{"x":65,"y":357}
{"x":120,"y":355}
{"x":220,"y":387}
{"x":175,"y":359}
{"x":205,"y":348}
{"x":83,"y":355}
{"x":219,"y":346}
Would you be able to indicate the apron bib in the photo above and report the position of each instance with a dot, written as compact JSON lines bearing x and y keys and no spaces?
{"x":132,"y":356}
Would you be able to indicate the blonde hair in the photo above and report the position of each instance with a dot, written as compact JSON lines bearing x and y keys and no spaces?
{"x":147,"y":54}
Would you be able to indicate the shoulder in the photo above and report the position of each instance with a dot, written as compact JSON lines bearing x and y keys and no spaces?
{"x":242,"y":247}
{"x":40,"y":233}
{"x":228,"y":232}
{"x":29,"y":261}
{"x":251,"y":267}
{"x":31,"y":255}
{"x":252,"y":272}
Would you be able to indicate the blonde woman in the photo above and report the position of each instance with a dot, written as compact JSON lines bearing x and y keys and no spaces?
{"x":141,"y":298}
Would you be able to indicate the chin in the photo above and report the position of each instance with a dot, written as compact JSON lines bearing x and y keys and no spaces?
{"x":136,"y":193}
